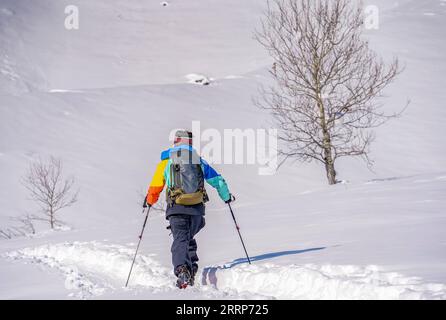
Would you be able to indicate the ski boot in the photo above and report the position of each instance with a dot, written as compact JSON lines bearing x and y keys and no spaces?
{"x":184,"y":277}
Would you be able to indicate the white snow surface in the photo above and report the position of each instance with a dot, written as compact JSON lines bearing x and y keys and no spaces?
{"x":92,"y":268}
{"x":104,"y":99}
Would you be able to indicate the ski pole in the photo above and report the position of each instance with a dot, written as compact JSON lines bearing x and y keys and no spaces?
{"x":239,"y":234}
{"x":139,"y":242}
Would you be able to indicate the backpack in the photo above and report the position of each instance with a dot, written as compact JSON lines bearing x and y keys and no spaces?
{"x":186,"y":179}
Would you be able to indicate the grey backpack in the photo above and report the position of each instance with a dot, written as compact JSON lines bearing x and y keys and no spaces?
{"x":187,"y":179}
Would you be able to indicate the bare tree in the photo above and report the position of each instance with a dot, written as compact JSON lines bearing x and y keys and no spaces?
{"x":26,"y":223}
{"x":25,"y":228}
{"x":7,"y":233}
{"x":160,"y":206}
{"x":327,"y":80}
{"x":50,"y":189}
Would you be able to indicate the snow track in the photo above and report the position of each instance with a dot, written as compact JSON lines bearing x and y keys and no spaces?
{"x":321,"y":282}
{"x":92,"y":268}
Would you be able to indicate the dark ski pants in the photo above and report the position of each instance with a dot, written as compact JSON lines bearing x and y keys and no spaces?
{"x":184,"y":247}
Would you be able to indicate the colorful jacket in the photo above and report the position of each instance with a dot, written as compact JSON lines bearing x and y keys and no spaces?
{"x":162,"y":174}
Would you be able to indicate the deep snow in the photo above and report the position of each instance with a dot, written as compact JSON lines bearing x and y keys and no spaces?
{"x":105,"y":98}
{"x":92,"y":269}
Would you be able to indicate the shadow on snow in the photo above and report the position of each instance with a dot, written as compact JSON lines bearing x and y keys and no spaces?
{"x":209,"y":275}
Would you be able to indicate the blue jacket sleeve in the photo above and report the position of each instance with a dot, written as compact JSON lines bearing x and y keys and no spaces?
{"x":213,"y":178}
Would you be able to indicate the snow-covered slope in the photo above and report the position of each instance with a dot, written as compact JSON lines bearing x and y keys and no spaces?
{"x":125,"y":43}
{"x":104,"y":99}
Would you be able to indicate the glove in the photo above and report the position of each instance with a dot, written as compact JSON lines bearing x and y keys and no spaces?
{"x":145,"y":204}
{"x":231,"y":198}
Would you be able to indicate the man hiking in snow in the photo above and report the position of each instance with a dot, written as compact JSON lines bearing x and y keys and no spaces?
{"x":184,"y":172}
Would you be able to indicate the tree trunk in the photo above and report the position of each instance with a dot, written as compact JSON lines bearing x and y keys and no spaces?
{"x":330,"y":170}
{"x":328,"y":156}
{"x":51,"y":217}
